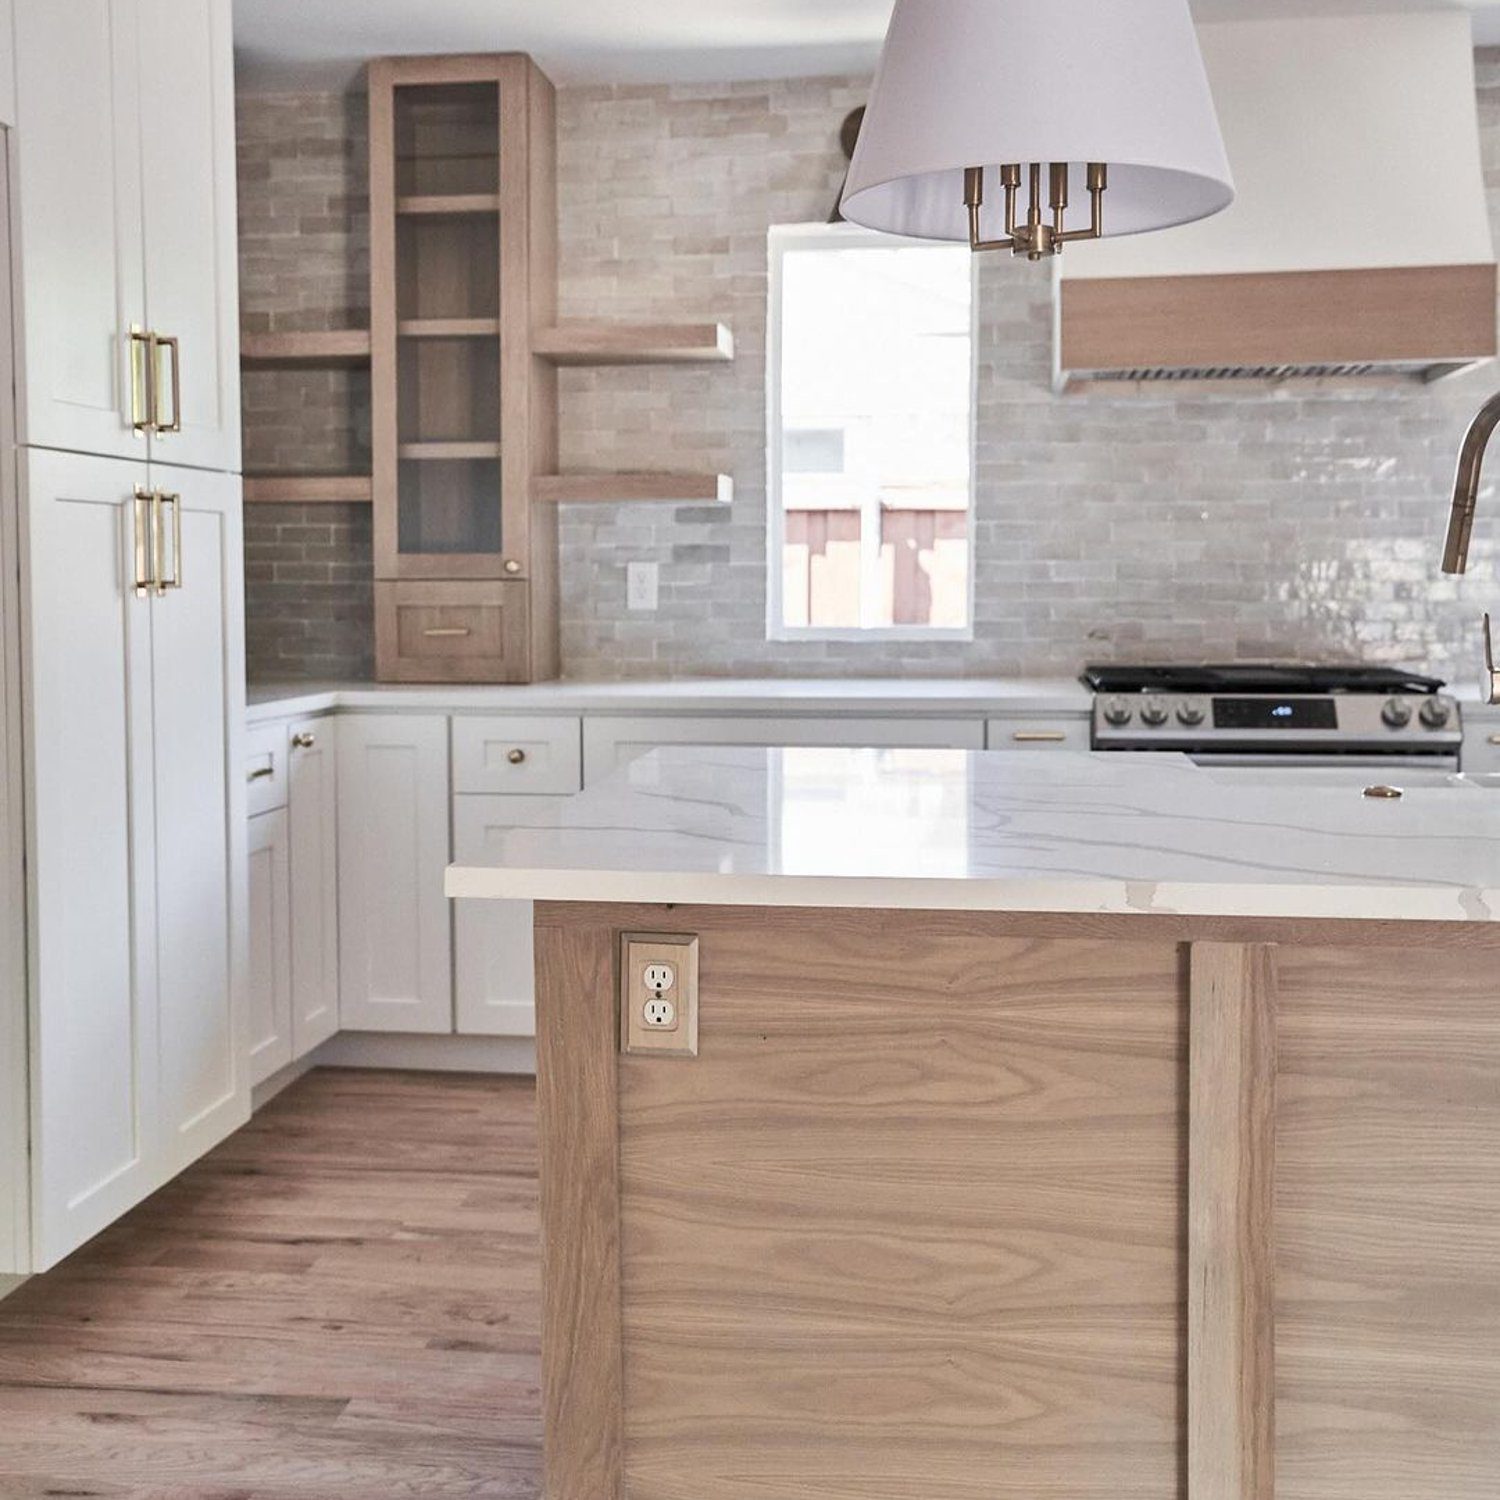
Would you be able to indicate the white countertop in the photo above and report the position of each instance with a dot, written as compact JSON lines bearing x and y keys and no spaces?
{"x":1017,"y":831}
{"x":785,"y":695}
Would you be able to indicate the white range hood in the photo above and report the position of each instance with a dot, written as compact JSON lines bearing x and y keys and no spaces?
{"x":1358,"y":243}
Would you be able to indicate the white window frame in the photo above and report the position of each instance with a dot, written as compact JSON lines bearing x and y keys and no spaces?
{"x":782,"y":238}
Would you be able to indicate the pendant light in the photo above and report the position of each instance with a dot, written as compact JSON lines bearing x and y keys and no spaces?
{"x":1059,"y":120}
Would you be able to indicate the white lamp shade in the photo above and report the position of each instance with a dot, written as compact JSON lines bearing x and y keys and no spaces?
{"x":980,"y":83}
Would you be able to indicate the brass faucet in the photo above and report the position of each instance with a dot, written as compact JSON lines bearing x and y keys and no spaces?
{"x":1461,"y":519}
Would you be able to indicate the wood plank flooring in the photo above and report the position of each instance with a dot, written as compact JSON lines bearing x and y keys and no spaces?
{"x":341,"y":1300}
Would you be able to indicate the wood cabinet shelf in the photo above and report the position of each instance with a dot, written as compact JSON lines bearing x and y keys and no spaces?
{"x":339,"y":346}
{"x":307,"y":489}
{"x":634,"y":343}
{"x":448,"y":450}
{"x":704,"y":489}
{"x":448,"y":328}
{"x":448,"y":203}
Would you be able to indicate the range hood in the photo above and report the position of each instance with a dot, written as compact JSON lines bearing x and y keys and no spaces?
{"x":1358,"y":244}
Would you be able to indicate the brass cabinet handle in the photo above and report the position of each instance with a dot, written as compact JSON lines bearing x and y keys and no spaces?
{"x":164,"y":498}
{"x":142,"y":507}
{"x":142,"y":379}
{"x":170,"y":343}
{"x":443,"y":631}
{"x":511,"y":565}
{"x":515,"y":757}
{"x":1038,"y":736}
{"x":261,"y":773}
{"x":304,"y":740}
{"x":1495,"y":739}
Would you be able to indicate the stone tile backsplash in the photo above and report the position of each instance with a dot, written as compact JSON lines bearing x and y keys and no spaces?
{"x":1179,"y":522}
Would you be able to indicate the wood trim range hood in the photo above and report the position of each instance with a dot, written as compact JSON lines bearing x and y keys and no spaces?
{"x":1358,"y":245}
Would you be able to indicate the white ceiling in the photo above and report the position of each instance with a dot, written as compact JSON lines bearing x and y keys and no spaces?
{"x":289,"y":43}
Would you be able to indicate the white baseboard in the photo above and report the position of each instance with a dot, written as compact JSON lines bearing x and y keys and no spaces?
{"x":268,"y":1088}
{"x":433,"y":1054}
{"x":8,"y":1284}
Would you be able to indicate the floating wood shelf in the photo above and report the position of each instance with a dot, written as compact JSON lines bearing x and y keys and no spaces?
{"x":448,"y":203}
{"x":704,"y":489}
{"x":634,"y":343}
{"x":307,"y":489}
{"x":448,"y":450}
{"x":448,"y":328}
{"x":339,"y":346}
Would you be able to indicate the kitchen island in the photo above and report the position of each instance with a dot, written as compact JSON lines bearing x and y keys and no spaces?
{"x":1059,"y":1127}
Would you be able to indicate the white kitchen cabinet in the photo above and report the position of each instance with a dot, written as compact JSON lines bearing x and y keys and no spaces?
{"x":270,"y":946}
{"x":1038,"y":732}
{"x":610,"y":741}
{"x":138,"y":828}
{"x":7,"y":63}
{"x":395,"y":961}
{"x":312,"y":844}
{"x":126,"y":213}
{"x":1481,"y":747}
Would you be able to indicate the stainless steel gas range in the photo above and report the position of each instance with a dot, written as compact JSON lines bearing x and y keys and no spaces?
{"x":1278,"y":715}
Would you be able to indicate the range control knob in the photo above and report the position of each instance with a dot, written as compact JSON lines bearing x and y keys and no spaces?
{"x":1191,"y":711}
{"x":1435,"y":712}
{"x":1396,"y":713}
{"x":1153,"y":712}
{"x":1117,"y":711}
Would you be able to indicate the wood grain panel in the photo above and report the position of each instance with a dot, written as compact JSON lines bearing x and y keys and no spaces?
{"x":450,"y":631}
{"x":580,"y":343}
{"x":1231,"y":1152}
{"x":577,"y":1030}
{"x":1415,"y":313}
{"x":1388,"y":1225}
{"x":911,"y":1222}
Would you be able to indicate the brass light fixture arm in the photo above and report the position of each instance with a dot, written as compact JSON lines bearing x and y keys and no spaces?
{"x":1037,"y":238}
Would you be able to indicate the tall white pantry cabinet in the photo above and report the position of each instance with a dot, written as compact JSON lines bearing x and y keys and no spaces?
{"x":123,"y":541}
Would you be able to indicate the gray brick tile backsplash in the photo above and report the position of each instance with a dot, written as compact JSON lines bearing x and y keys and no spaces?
{"x":1242,"y":522}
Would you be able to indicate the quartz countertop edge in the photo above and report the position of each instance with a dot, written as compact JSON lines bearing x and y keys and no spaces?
{"x":1027,"y":831}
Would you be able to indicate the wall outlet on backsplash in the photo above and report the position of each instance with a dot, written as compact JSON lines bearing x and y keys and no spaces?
{"x":641,"y":582}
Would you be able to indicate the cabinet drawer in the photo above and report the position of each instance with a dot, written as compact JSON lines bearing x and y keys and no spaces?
{"x":451,"y":632}
{"x":1055,"y":733}
{"x":265,"y":768}
{"x":517,"y":754}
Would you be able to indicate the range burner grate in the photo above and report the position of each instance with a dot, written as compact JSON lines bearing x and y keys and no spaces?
{"x":1256,"y":677}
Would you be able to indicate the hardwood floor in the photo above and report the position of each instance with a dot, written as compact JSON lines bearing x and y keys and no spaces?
{"x":341,"y":1300}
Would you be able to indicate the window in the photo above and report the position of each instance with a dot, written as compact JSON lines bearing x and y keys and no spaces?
{"x":870,"y":408}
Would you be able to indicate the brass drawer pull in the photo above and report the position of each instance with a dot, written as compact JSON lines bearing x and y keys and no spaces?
{"x":142,"y":380}
{"x":1039,"y":736}
{"x":515,"y":757}
{"x":511,"y":565}
{"x":1495,"y":739}
{"x":143,"y":580}
{"x":444,"y":632}
{"x":159,"y":500}
{"x":170,"y":344}
{"x":304,"y":740}
{"x":261,"y":773}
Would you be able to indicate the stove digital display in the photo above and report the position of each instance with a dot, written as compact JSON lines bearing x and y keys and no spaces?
{"x":1275,"y":713}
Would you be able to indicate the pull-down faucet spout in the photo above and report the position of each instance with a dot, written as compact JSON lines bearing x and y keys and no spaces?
{"x":1466,"y":485}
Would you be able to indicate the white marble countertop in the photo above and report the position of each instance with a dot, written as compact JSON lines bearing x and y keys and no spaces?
{"x":784,"y":695}
{"x":1019,"y":831}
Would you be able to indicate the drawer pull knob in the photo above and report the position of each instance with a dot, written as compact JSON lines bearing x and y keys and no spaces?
{"x":1038,"y":736}
{"x":515,"y":757}
{"x":261,"y":773}
{"x":446,"y":632}
{"x":304,"y":740}
{"x":1495,"y":739}
{"x":511,"y":565}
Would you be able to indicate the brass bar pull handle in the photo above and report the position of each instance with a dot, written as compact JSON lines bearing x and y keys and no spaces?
{"x":439,"y":632}
{"x":141,"y":505}
{"x":261,"y":773}
{"x":304,"y":740}
{"x":158,"y":544}
{"x":142,"y":380}
{"x":1491,"y":674}
{"x":1495,"y":739}
{"x":1039,"y":736}
{"x":170,"y":344}
{"x":165,"y":498}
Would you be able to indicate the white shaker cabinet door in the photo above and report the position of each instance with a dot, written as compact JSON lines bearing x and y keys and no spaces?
{"x":198,"y":672}
{"x":269,"y":948}
{"x":395,"y":962}
{"x":94,"y":1033}
{"x":7,"y":63}
{"x":494,"y":977}
{"x":188,"y":178}
{"x":80,"y":244}
{"x":312,"y":837}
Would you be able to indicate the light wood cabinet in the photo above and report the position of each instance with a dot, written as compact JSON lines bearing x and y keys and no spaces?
{"x":395,"y":963}
{"x":269,"y":946}
{"x":138,"y":829}
{"x":126,"y":219}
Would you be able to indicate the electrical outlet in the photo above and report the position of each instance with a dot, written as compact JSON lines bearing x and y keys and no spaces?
{"x":659,"y":994}
{"x":641,"y":585}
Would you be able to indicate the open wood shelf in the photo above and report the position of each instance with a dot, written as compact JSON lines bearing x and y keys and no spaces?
{"x":307,"y":489}
{"x":448,"y":203}
{"x":448,"y":450}
{"x":704,"y":489}
{"x":448,"y":328}
{"x":634,"y":343}
{"x":339,"y":346}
